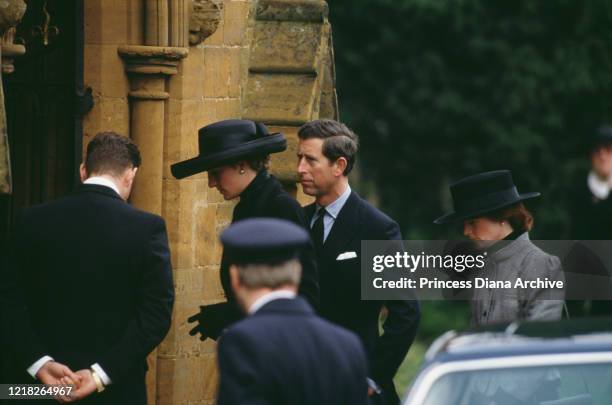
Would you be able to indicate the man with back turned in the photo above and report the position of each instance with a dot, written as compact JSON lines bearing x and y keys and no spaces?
{"x":90,"y":283}
{"x":282,"y":353}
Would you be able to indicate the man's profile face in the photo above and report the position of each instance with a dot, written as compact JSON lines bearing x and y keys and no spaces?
{"x":315,"y":171}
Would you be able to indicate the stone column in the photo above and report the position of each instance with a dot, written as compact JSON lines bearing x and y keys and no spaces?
{"x":178,"y":34}
{"x":156,"y":20}
{"x":11,"y":12}
{"x":148,"y":68}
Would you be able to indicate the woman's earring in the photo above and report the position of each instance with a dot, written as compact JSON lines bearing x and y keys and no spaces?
{"x":241,"y":171}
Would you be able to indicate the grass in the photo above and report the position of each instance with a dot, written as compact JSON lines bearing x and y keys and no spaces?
{"x":436,"y":318}
{"x":410,"y":366}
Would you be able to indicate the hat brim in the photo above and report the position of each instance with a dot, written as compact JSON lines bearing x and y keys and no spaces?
{"x":460,"y":216}
{"x":269,"y":144}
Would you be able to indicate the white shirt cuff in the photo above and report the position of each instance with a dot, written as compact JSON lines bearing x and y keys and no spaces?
{"x":33,"y":369}
{"x":372,"y":384}
{"x":103,"y":376}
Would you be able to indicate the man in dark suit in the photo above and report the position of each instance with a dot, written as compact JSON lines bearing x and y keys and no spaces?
{"x":91,"y":283}
{"x":591,"y":214}
{"x":591,"y":201}
{"x":282,"y":353}
{"x":340,"y":220}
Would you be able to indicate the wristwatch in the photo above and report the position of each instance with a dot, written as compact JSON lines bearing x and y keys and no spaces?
{"x":98,"y":380}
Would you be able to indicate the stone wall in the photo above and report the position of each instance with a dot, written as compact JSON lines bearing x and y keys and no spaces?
{"x":207,"y":89}
{"x":108,"y":24}
{"x":249,"y":67}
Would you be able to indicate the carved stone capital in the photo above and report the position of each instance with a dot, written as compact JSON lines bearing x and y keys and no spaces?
{"x":204,"y":19}
{"x":149,"y":95}
{"x":152,"y":59}
{"x":10,"y":50}
{"x":11,"y":12}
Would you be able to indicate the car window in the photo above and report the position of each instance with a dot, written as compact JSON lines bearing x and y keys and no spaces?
{"x":578,"y":384}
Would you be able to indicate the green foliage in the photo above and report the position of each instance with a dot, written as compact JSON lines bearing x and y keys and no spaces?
{"x":436,"y":318}
{"x":441,"y":89}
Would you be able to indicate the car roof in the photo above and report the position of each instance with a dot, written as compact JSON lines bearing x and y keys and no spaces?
{"x":568,"y":336}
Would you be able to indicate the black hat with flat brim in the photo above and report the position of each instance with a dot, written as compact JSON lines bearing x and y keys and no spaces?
{"x":481,"y":194}
{"x":263,"y":241}
{"x":229,"y":141}
{"x":602,"y":137}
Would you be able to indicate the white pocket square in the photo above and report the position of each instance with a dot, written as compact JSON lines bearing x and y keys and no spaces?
{"x":346,"y":255}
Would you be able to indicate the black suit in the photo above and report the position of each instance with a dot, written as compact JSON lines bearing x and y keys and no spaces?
{"x":91,"y":283}
{"x":591,"y":217}
{"x":264,"y":197}
{"x":285,"y":354}
{"x":591,"y":220}
{"x":341,"y":290}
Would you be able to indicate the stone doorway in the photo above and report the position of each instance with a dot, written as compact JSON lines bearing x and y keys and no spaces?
{"x":44,"y":127}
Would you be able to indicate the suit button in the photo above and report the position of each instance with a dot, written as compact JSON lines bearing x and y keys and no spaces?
{"x":484,"y":313}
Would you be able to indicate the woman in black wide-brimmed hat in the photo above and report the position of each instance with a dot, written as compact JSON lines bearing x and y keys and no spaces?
{"x":495,"y":217}
{"x":235,"y":153}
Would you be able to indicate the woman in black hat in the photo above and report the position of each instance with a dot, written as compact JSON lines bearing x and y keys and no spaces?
{"x":495,"y":217}
{"x":236,"y":153}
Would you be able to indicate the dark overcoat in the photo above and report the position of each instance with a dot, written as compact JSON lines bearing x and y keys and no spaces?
{"x":90,"y":281}
{"x":285,"y":354}
{"x":264,"y":197}
{"x":340,"y":283}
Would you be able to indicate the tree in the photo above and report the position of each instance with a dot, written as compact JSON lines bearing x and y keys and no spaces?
{"x":441,"y":89}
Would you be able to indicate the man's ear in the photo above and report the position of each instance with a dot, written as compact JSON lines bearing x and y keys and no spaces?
{"x":340,"y":166}
{"x":234,"y":277}
{"x":129,"y":176}
{"x":83,"y":172}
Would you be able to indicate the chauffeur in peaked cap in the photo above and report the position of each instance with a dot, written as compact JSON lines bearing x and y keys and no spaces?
{"x":282,"y":353}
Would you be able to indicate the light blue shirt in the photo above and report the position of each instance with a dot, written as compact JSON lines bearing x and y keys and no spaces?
{"x":333,"y":209}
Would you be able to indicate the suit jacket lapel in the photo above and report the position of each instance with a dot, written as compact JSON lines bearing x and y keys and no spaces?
{"x":343,"y":230}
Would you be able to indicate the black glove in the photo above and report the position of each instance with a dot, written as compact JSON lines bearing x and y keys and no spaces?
{"x":213,"y":319}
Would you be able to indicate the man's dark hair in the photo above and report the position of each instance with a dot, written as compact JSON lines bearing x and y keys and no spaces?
{"x":338,"y":140}
{"x":111,"y":153}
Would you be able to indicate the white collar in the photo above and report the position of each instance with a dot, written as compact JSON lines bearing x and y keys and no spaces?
{"x":600,"y":188}
{"x":334,"y":208}
{"x":271,"y":296}
{"x":102,"y":181}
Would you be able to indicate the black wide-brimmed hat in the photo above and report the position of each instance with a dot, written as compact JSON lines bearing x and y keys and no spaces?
{"x":602,"y":137}
{"x":227,"y":142}
{"x":263,"y":241}
{"x":483,"y":193}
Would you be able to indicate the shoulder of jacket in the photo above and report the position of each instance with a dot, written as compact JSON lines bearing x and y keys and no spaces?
{"x":375,"y":215}
{"x":285,"y":200}
{"x":142,"y":216}
{"x":535,"y":255}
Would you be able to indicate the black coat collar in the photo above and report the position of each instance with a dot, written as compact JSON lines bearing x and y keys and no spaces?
{"x":255,"y":199}
{"x":251,"y":191}
{"x":98,"y":189}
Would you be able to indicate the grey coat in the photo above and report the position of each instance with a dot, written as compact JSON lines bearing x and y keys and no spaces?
{"x":520,"y":258}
